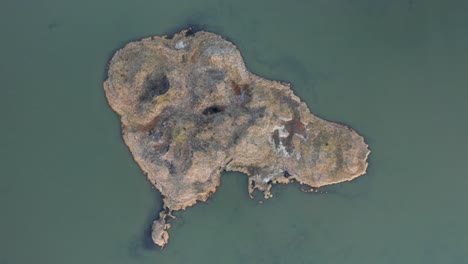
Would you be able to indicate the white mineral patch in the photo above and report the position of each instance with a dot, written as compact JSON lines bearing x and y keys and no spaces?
{"x":267,"y":179}
{"x":282,"y":149}
{"x":300,"y":136}
{"x":285,"y":119}
{"x":180,"y":45}
{"x":281,"y":131}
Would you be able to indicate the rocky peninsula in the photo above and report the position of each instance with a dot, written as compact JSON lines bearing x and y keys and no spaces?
{"x":190,"y":110}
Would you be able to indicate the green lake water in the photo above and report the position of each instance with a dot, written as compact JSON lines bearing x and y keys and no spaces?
{"x":396,"y":71}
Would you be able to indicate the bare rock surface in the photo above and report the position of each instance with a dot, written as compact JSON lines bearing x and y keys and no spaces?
{"x":190,"y":110}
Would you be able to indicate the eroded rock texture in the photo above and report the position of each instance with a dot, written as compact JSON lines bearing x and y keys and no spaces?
{"x":190,"y":109}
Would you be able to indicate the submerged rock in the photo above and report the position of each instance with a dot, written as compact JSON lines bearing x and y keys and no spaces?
{"x":190,"y":110}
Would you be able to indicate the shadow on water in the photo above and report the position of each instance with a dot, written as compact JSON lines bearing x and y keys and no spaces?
{"x":143,"y":241}
{"x":191,"y":28}
{"x":53,"y":25}
{"x":349,"y":190}
{"x":195,"y":24}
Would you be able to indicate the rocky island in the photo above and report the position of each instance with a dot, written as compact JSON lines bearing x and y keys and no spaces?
{"x":190,"y":110}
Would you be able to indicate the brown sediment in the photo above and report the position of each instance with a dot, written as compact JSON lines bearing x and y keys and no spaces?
{"x":237,"y":88}
{"x":187,"y":120}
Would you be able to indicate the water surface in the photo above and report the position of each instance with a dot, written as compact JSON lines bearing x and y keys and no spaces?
{"x":393,"y":70}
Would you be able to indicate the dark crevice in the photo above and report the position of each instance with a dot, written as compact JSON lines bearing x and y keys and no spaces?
{"x":170,"y":166}
{"x":213,"y":110}
{"x":276,"y":138}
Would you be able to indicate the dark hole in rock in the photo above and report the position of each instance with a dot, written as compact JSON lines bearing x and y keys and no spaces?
{"x":286,"y":174}
{"x":155,"y":87}
{"x":213,"y":110}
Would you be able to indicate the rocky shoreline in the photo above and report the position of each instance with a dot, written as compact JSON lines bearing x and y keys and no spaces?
{"x":190,"y":110}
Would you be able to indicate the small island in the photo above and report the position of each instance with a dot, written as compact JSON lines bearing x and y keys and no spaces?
{"x":190,"y":110}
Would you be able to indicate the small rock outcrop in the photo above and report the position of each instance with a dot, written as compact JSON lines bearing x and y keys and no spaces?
{"x":190,"y":110}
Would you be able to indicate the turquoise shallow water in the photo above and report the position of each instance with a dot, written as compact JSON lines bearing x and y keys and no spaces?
{"x":393,"y":70}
